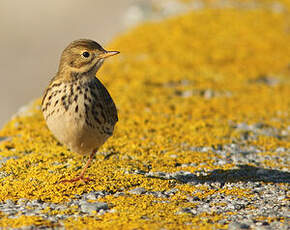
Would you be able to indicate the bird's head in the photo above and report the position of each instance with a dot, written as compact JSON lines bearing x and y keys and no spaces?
{"x":83,"y":56}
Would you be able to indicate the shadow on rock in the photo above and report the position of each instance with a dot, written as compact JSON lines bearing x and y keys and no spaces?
{"x":244,"y":173}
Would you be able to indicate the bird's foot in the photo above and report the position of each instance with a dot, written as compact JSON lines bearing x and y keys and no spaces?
{"x":82,"y":178}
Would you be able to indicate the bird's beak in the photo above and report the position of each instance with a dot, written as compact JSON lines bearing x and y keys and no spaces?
{"x":108,"y":54}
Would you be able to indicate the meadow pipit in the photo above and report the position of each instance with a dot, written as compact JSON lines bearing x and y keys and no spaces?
{"x":77,"y":108}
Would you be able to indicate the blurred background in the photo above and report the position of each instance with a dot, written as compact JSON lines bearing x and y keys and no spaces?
{"x":33,"y":34}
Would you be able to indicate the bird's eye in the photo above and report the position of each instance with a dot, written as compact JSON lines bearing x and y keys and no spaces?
{"x":86,"y":54}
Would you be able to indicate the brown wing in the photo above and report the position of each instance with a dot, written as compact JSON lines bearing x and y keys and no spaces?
{"x":105,"y":102}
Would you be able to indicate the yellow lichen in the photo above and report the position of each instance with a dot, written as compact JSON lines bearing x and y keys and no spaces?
{"x":178,"y":83}
{"x":25,"y":221}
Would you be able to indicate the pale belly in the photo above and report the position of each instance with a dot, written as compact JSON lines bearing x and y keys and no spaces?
{"x":73,"y":132}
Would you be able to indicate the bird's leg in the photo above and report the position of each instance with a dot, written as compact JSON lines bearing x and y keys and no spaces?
{"x":81,"y":176}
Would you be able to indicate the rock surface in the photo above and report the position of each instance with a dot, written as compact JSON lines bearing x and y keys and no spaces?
{"x":202,"y":141}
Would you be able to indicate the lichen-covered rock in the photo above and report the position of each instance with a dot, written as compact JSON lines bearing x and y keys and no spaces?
{"x":202,"y":141}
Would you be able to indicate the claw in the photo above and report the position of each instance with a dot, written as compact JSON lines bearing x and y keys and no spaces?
{"x":81,"y":176}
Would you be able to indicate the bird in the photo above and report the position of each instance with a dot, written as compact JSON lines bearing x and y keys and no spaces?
{"x":76,"y":106}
